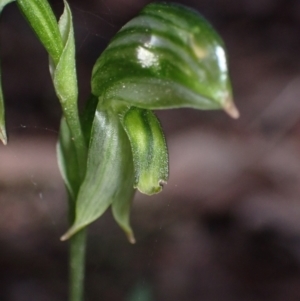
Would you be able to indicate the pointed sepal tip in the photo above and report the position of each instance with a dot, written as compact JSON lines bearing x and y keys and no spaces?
{"x":3,"y":136}
{"x":130,"y":237}
{"x":230,"y":108}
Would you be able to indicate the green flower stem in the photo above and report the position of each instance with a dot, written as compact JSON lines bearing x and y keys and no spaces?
{"x":77,"y":251}
{"x":77,"y":266}
{"x":74,"y":124}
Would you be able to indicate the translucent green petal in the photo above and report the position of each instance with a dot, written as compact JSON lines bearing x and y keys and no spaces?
{"x":121,"y":212}
{"x":167,"y":57}
{"x":66,"y":150}
{"x":110,"y":176}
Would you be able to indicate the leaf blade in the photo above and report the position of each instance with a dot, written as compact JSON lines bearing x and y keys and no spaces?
{"x":42,"y":19}
{"x":66,"y":88}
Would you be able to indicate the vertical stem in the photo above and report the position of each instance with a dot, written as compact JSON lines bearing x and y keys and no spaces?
{"x":59,"y":43}
{"x":73,"y":121}
{"x":78,"y":241}
{"x":77,"y":250}
{"x":77,"y":266}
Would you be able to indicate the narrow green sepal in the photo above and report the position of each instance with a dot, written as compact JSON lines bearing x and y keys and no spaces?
{"x":121,"y":212}
{"x":109,"y":176}
{"x":149,"y":149}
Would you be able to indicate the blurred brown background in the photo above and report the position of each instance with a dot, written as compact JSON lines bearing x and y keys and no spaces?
{"x":227,"y":225}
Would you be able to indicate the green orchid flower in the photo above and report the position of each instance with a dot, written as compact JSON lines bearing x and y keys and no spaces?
{"x":166,"y":57}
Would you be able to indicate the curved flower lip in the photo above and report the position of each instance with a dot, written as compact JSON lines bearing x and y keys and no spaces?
{"x":149,"y":149}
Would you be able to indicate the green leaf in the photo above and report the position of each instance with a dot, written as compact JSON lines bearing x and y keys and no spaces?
{"x":65,"y":84}
{"x":109,"y":178}
{"x":64,"y":74}
{"x":149,"y":149}
{"x":167,"y":57}
{"x":42,"y":20}
{"x":58,"y":39}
